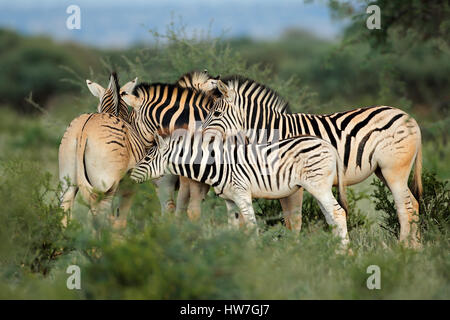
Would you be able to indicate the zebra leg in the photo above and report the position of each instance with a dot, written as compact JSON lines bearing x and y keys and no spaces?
{"x":233,"y":214}
{"x":406,"y":205}
{"x":166,"y":190}
{"x":197,"y":195}
{"x":183,"y":196}
{"x":244,"y":202}
{"x":415,"y":226}
{"x":67,"y":198}
{"x":124,"y":208}
{"x":334,"y":214}
{"x":292,"y":210}
{"x":67,"y":174}
{"x":102,"y":209}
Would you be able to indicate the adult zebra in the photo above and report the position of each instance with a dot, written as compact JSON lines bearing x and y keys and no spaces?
{"x":380,"y":139}
{"x":97,"y":150}
{"x":239,"y":171}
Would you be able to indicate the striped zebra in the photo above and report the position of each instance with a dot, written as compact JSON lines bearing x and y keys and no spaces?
{"x":380,"y":139}
{"x":239,"y":171}
{"x":97,"y":150}
{"x":167,"y":107}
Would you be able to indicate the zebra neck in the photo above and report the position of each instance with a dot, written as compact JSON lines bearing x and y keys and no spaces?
{"x":137,"y":147}
{"x":191,"y":161}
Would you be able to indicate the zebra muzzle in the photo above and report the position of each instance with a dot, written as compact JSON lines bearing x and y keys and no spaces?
{"x":137,"y":176}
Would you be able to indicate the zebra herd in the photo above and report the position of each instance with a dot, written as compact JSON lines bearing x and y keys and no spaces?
{"x":235,"y":135}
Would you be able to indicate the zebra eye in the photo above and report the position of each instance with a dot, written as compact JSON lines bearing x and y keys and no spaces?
{"x":147,"y":158}
{"x":217,"y":113}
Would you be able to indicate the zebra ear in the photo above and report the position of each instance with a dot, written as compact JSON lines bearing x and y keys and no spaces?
{"x":131,"y":100}
{"x":96,"y":89}
{"x":226,"y":92}
{"x":129,"y":86}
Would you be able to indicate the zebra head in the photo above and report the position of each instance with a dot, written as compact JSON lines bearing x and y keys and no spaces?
{"x":224,"y":119}
{"x":110,"y":98}
{"x":154,"y":163}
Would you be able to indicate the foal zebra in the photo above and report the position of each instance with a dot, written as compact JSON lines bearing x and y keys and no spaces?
{"x":97,"y":150}
{"x":239,"y":171}
{"x":381,"y":139}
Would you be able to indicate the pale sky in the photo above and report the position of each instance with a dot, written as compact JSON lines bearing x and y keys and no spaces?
{"x":119,"y":23}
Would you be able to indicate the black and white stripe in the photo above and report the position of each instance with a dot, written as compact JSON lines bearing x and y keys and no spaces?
{"x":163,"y":108}
{"x":239,"y":171}
{"x":379,"y":139}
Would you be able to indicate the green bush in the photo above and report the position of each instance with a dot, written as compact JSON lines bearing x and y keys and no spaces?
{"x":170,"y":259}
{"x":31,"y":232}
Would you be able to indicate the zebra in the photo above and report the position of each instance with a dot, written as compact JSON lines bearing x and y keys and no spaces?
{"x":240,"y":171}
{"x":167,"y":107}
{"x":379,"y":139}
{"x":97,"y":150}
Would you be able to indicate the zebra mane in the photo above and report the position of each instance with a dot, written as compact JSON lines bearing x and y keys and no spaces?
{"x":236,"y":82}
{"x":114,"y":90}
{"x":116,"y":80}
{"x":187,"y":79}
{"x":144,"y":87}
{"x":121,"y":108}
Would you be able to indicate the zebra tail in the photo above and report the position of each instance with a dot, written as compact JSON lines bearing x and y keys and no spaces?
{"x":341,"y":184}
{"x":82,"y":179}
{"x":417,"y":178}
